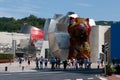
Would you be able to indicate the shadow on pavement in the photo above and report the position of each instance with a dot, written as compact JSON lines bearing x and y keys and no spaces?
{"x":73,"y":70}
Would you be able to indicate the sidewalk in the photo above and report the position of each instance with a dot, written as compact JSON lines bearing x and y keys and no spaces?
{"x":103,"y":77}
{"x":16,"y":67}
{"x":24,"y":67}
{"x":112,"y":77}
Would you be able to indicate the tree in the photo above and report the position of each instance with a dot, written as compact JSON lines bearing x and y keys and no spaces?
{"x":12,"y":25}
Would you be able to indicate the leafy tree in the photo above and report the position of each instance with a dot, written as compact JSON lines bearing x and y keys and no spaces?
{"x":13,"y":25}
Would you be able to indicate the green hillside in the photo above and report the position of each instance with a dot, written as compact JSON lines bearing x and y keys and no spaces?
{"x":13,"y":25}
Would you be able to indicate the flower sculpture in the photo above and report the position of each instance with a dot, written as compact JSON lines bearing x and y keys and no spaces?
{"x":79,"y":31}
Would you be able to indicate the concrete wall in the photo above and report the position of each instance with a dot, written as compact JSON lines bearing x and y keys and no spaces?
{"x":6,"y":37}
{"x":108,"y":40}
{"x":41,"y":52}
{"x":94,"y":42}
{"x":97,"y":39}
{"x":102,"y":31}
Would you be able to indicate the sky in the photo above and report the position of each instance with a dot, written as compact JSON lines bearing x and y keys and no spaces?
{"x":107,"y":10}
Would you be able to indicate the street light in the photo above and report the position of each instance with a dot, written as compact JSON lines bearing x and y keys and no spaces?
{"x":103,"y":48}
{"x":13,"y":44}
{"x":105,"y":51}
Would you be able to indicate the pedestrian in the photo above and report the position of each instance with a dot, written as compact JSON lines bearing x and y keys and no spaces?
{"x":41,"y":62}
{"x":28,"y":61}
{"x":46,"y":62}
{"x":37,"y":63}
{"x":89,"y":64}
{"x":113,"y":61}
{"x":99,"y":62}
{"x":58,"y":63}
{"x":80,"y":62}
{"x":20,"y":62}
{"x":75,"y":63}
{"x":69,"y":63}
{"x":102,"y":63}
{"x":85,"y":62}
{"x":65,"y":64}
{"x":52,"y":61}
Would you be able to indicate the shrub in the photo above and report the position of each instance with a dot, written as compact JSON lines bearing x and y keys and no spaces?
{"x":6,"y":56}
{"x":117,"y":69}
{"x":109,"y":69}
{"x":113,"y":70}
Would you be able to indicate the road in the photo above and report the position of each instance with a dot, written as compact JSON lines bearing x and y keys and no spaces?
{"x":52,"y":75}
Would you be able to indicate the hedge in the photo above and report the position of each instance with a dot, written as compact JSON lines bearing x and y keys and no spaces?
{"x":6,"y":56}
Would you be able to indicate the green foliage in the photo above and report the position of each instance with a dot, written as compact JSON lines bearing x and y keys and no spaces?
{"x":101,"y":23}
{"x":109,"y":69}
{"x":6,"y":56}
{"x":12,"y":25}
{"x":108,"y":23}
{"x":113,"y":70}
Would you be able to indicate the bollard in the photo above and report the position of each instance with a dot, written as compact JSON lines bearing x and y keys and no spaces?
{"x":6,"y":68}
{"x":98,"y":66}
{"x":22,"y":68}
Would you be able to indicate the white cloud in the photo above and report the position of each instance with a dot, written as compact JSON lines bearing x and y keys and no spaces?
{"x":19,"y":9}
{"x":84,"y":5}
{"x":4,"y":14}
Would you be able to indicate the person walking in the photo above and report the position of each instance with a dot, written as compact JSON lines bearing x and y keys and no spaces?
{"x":28,"y":61}
{"x":85,"y":63}
{"x":45,"y":62}
{"x":89,"y":64}
{"x":58,"y":63}
{"x":52,"y":61}
{"x":41,"y":62}
{"x":20,"y":62}
{"x":102,"y":63}
{"x":37,"y":63}
{"x":65,"y":64}
{"x":76,"y":64}
{"x":80,"y":62}
{"x":69,"y":63}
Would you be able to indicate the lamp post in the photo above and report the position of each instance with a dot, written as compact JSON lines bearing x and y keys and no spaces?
{"x":105,"y":56}
{"x":12,"y":36}
{"x":13,"y":45}
{"x":105,"y":64}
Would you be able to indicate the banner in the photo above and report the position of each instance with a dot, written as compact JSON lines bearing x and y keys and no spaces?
{"x":36,"y":34}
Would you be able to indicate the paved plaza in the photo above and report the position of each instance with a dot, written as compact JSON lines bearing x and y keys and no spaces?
{"x":24,"y":67}
{"x":16,"y":67}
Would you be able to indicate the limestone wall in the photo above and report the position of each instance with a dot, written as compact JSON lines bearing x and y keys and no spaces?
{"x":97,"y":39}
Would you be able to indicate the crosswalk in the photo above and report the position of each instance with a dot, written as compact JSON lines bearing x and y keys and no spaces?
{"x":76,"y":79}
{"x":101,"y":78}
{"x":91,"y":78}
